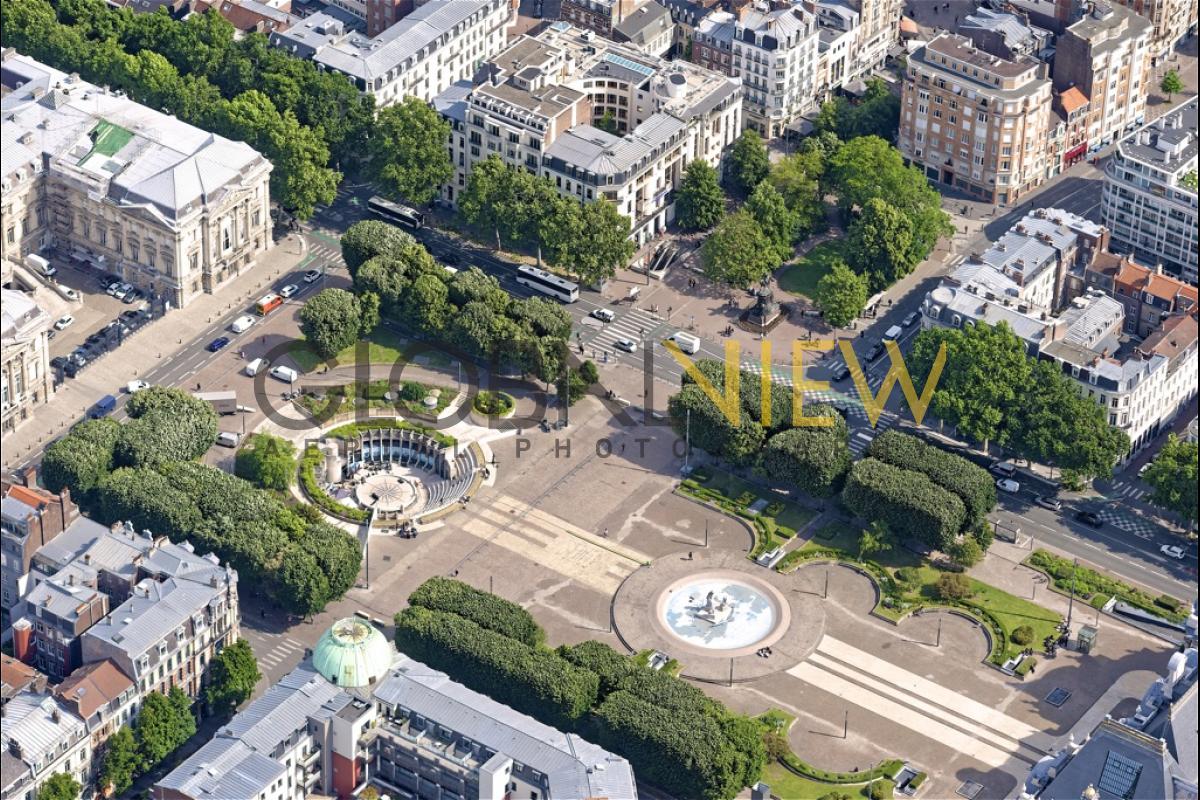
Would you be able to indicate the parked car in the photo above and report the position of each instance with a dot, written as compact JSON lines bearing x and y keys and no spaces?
{"x":217,"y":343}
{"x":68,"y":292}
{"x":285,"y":374}
{"x":1004,"y":469}
{"x":228,"y":439}
{"x":103,"y":407}
{"x":451,"y":258}
{"x":1142,"y":469}
{"x":133,"y":297}
{"x":133,"y":387}
{"x":910,"y":318}
{"x":287,"y":291}
{"x":312,"y":276}
{"x":603,"y":314}
{"x":1008,"y":485}
{"x":64,"y":322}
{"x":1089,"y":518}
{"x":893,"y":333}
{"x":107,"y":280}
{"x":242,"y":324}
{"x":840,"y":374}
{"x":628,"y":345}
{"x":1172,"y":551}
{"x":131,"y":316}
{"x":95,"y":339}
{"x":60,"y":362}
{"x":1052,"y":503}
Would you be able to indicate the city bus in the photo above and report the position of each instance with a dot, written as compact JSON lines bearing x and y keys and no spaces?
{"x":395,"y":213}
{"x":546,"y":283}
{"x":267,"y":303}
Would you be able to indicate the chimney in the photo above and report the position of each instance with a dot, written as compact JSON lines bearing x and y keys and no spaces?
{"x":29,"y":476}
{"x":23,"y":640}
{"x":87,"y":558}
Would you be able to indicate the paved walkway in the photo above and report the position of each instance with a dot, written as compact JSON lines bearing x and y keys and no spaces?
{"x":150,"y":347}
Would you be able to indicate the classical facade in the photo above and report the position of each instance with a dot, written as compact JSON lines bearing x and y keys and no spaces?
{"x":170,"y":208}
{"x":26,"y":381}
{"x":1173,"y":21}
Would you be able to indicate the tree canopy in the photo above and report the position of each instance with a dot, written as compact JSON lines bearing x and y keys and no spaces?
{"x":841,"y":295}
{"x":267,"y":461}
{"x":232,"y":677}
{"x":700,"y":203}
{"x":768,"y":208}
{"x":1172,"y":475}
{"x":59,"y":786}
{"x":334,"y":319}
{"x":738,"y":253}
{"x":408,"y":150}
{"x":747,"y":164}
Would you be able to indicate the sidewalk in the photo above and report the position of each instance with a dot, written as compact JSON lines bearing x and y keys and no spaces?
{"x":152,"y":346}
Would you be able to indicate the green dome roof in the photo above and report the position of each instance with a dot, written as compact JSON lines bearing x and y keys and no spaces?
{"x":352,"y":653}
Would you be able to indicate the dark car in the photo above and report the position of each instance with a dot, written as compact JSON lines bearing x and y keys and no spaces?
{"x":60,"y":362}
{"x":71,"y":369}
{"x":131,"y":316}
{"x":217,"y":344}
{"x":133,"y":297}
{"x":840,"y":374}
{"x":1089,"y":518}
{"x":96,"y":338}
{"x":108,"y":279}
{"x":875,"y":352}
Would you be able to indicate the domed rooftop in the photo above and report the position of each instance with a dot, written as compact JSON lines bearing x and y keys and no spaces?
{"x":352,"y":653}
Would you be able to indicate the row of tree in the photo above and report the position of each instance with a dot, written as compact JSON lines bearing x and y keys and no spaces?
{"x":672,"y":733}
{"x":970,"y":482}
{"x":469,"y":309}
{"x":1172,"y":475}
{"x":307,"y":121}
{"x":163,"y":723}
{"x":992,"y":391}
{"x":288,"y":551}
{"x":590,"y":240}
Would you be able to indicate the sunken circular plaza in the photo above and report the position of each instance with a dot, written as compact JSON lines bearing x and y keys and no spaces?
{"x":717,"y":612}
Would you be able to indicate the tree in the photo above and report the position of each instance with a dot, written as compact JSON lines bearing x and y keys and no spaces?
{"x":747,"y":164}
{"x":875,"y":538}
{"x":772,"y":214}
{"x":408,"y":150}
{"x":880,"y":244}
{"x":1171,"y":84}
{"x":700,"y":203}
{"x":82,"y":458}
{"x":602,"y":244}
{"x":232,"y":677}
{"x":814,"y":459}
{"x":965,"y":552}
{"x":841,"y":295}
{"x":267,"y":461}
{"x":303,"y":587}
{"x":1172,"y":475}
{"x":488,"y":200}
{"x":607,"y":123}
{"x":798,"y":178}
{"x":120,"y":764}
{"x":738,"y":253}
{"x":370,"y":238}
{"x":330,"y":321}
{"x":59,"y":786}
{"x":368,"y":313}
{"x":166,"y":425}
{"x":162,"y":725}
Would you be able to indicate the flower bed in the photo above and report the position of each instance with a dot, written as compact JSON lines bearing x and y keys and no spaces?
{"x":494,"y":404}
{"x":1095,"y":588}
{"x":319,"y":497}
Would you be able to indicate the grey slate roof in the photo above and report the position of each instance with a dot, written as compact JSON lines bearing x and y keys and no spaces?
{"x":1114,"y":756}
{"x":29,"y":718}
{"x":645,"y":23}
{"x":587,"y":147}
{"x":569,"y":762}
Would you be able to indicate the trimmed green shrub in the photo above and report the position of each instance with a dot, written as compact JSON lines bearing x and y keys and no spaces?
{"x":882,"y":789}
{"x":970,"y":482}
{"x":953,"y":586}
{"x":534,"y":681}
{"x":1022,"y":635}
{"x":485,"y":610}
{"x":611,"y":667}
{"x":911,"y":505}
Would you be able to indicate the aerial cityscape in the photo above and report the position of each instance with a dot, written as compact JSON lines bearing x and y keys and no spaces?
{"x":599,"y":399}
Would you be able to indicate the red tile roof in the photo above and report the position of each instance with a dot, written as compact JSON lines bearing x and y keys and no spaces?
{"x":92,"y":686}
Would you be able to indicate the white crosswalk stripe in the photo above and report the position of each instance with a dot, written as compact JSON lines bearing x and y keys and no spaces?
{"x":635,"y":324}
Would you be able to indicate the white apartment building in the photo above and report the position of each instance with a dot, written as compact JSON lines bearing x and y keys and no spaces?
{"x":1150,"y":193}
{"x":537,"y":111}
{"x":422,"y":55}
{"x":773,"y":52}
{"x":172,"y":209}
{"x":26,"y":380}
{"x":41,"y":737}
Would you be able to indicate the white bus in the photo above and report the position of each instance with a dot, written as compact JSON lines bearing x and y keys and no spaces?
{"x":546,"y":283}
{"x":395,"y":213}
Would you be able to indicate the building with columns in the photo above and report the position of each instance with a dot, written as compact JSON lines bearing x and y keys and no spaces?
{"x":26,"y":381}
{"x":172,"y":209}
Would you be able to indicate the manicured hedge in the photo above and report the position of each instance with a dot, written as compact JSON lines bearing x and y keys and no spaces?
{"x":484,"y":609}
{"x":911,"y":504}
{"x":971,"y":482}
{"x":1090,"y":584}
{"x":532,"y":680}
{"x":312,"y":461}
{"x":611,"y":667}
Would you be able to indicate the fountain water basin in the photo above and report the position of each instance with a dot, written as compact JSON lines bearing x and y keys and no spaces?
{"x":720,"y":612}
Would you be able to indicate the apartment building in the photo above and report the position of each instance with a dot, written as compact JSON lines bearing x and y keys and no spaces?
{"x":1150,"y":185}
{"x":976,"y":121}
{"x":26,"y":380}
{"x":599,"y":16}
{"x":422,"y":55}
{"x":54,"y":617}
{"x":1105,"y":55}
{"x":1173,"y":21}
{"x":687,"y":16}
{"x":649,"y":28}
{"x":1005,"y":34}
{"x":103,"y":696}
{"x":359,"y":713}
{"x":29,"y":518}
{"x":40,"y":737}
{"x":838,"y":27}
{"x":172,"y":209}
{"x":383,"y":14}
{"x":1149,"y":296}
{"x":249,"y":16}
{"x":879,"y":30}
{"x":775,"y":55}
{"x":545,"y":93}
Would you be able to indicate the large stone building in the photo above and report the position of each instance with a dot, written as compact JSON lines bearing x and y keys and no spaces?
{"x":172,"y":209}
{"x":1150,"y":193}
{"x":773,"y":53}
{"x":358,"y":713}
{"x":599,"y":16}
{"x":976,"y":121}
{"x":26,"y":380}
{"x":544,"y":93}
{"x":427,"y":51}
{"x":1149,"y":296}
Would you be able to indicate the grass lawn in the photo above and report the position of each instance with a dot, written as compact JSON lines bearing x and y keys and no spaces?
{"x":383,"y":347}
{"x":802,"y":277}
{"x":773,"y":525}
{"x":788,"y":785}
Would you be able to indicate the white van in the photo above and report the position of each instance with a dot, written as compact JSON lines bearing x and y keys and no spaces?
{"x":687,"y":342}
{"x":893,"y":333}
{"x":242,"y":324}
{"x":256,"y":366}
{"x":40,"y":265}
{"x":285,"y":374}
{"x":228,"y":439}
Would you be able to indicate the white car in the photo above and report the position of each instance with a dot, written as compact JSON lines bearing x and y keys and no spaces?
{"x":1172,"y":551}
{"x":242,"y":324}
{"x":64,"y":322}
{"x":628,"y":345}
{"x":133,"y":387}
{"x":288,"y":291}
{"x":910,"y":318}
{"x":1008,"y":485}
{"x":603,"y":314}
{"x":312,"y":276}
{"x":285,"y":374}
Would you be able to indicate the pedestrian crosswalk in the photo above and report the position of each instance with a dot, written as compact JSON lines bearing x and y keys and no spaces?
{"x":1127,"y":490}
{"x":634,"y":324}
{"x":1128,"y":523}
{"x":283,"y":650}
{"x":861,"y":438}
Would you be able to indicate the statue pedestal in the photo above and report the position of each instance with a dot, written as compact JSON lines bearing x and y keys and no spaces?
{"x":765,"y":314}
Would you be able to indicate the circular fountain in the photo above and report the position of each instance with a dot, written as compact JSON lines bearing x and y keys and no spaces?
{"x":718,"y":614}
